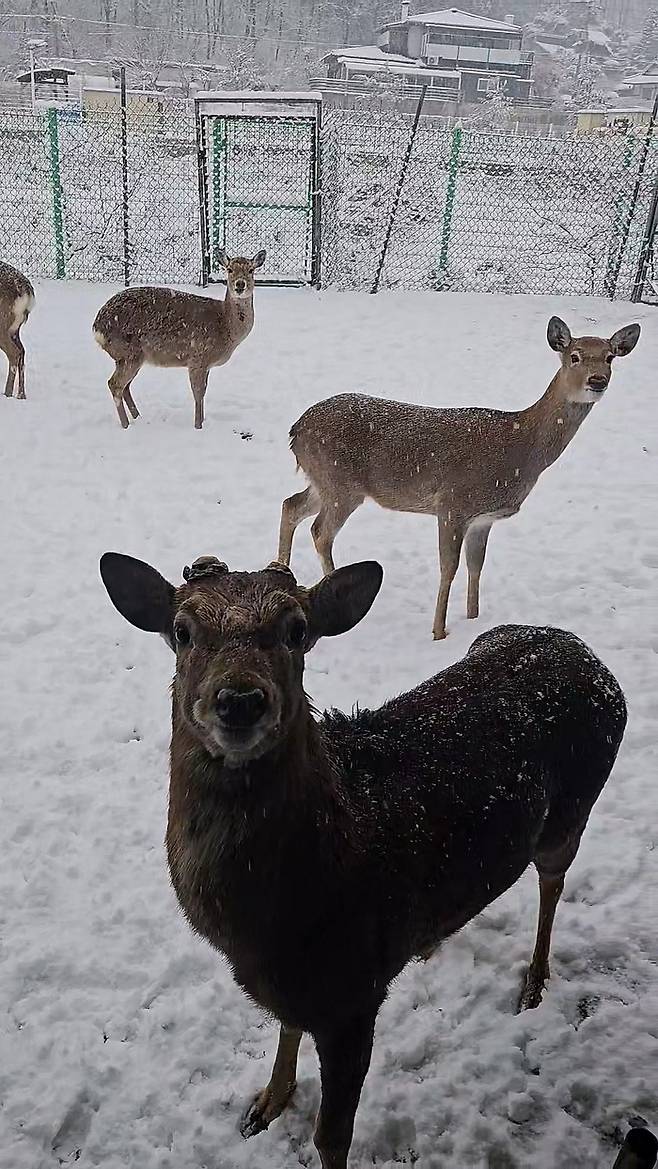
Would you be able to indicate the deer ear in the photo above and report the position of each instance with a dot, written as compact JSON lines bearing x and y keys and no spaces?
{"x":259,"y":258}
{"x":342,"y":599}
{"x":222,"y":258}
{"x":140,"y":594}
{"x":624,"y":340}
{"x":558,"y":334}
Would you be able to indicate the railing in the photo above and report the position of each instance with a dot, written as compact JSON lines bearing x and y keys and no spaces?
{"x":354,"y":87}
{"x":471,"y":54}
{"x":22,"y":100}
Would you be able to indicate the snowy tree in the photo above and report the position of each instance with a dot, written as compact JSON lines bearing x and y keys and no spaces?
{"x":242,"y":69}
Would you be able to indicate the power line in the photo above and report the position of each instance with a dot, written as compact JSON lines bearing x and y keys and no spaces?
{"x":103,"y":27}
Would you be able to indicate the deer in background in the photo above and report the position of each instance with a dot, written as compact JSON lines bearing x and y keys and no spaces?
{"x":321,"y":857}
{"x":16,"y":304}
{"x":165,"y":327}
{"x":469,"y":467}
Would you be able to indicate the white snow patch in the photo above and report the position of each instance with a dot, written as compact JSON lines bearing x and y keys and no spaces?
{"x":124,"y":1040}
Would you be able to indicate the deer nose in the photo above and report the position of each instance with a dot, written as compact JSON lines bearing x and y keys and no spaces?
{"x":597,"y":382}
{"x":239,"y":709}
{"x":240,"y":285}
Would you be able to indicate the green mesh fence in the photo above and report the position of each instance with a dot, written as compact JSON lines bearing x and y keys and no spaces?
{"x":478,"y":210}
{"x":485,"y":211}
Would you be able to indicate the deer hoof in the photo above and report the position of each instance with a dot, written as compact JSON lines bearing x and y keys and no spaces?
{"x":263,"y":1110}
{"x":439,"y":634}
{"x":531,"y":995}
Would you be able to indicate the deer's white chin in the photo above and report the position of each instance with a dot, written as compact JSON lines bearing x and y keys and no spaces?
{"x":586,"y":397}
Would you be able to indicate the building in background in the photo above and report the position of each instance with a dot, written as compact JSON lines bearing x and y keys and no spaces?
{"x":643,"y":85}
{"x":459,"y":56}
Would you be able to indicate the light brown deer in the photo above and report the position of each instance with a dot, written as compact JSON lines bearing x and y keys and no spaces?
{"x":166,"y":327}
{"x":469,"y":467}
{"x":16,"y":304}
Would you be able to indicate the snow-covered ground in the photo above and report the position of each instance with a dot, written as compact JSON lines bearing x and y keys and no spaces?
{"x":124,"y":1040}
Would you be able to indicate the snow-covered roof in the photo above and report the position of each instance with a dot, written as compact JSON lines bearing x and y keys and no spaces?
{"x":368,"y":53}
{"x":642,"y":79}
{"x":457,"y":18}
{"x":597,"y":37}
{"x":261,"y":95}
{"x":645,"y":109}
{"x":547,"y":47}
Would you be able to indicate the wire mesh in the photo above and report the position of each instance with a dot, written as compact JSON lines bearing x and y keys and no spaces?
{"x":260,"y":177}
{"x":483,"y":211}
{"x":26,"y":193}
{"x":62,"y":195}
{"x":83,"y":195}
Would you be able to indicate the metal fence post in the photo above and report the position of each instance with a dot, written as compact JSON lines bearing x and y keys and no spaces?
{"x":648,"y":241}
{"x":451,"y":187}
{"x":56,"y":181}
{"x":316,"y":202}
{"x":634,"y":198}
{"x":124,"y":179}
{"x":219,"y":148}
{"x":398,"y":192}
{"x":202,"y":179}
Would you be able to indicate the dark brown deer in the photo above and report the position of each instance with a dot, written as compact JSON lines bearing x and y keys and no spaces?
{"x":166,"y":327}
{"x":639,"y":1150}
{"x":322,"y":856}
{"x":467,"y":467}
{"x":16,"y":304}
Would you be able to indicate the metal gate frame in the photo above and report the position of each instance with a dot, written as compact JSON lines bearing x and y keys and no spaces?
{"x":277,"y":105}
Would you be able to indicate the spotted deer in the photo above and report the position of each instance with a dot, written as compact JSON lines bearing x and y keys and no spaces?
{"x":321,"y":856}
{"x":16,"y":304}
{"x":166,"y":327}
{"x":467,"y":467}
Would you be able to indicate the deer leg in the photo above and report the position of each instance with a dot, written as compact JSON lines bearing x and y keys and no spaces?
{"x":122,"y":377}
{"x":476,"y":549}
{"x":128,"y":399}
{"x":14,"y":358}
{"x":199,"y":384}
{"x":271,"y":1101}
{"x":550,"y":891}
{"x":450,"y":546}
{"x":344,"y":1062}
{"x":293,"y":510}
{"x":327,"y":525}
{"x":21,"y":364}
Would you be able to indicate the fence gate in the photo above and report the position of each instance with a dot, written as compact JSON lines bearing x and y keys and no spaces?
{"x":259,"y":182}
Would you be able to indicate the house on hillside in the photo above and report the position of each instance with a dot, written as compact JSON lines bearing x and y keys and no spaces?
{"x":460,"y":57}
{"x":644,"y":85}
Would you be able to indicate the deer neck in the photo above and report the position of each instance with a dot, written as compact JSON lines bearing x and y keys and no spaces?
{"x":240,"y":314}
{"x":293,"y":790}
{"x":552,"y":421}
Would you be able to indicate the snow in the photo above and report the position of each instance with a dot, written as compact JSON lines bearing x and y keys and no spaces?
{"x":369,"y":53}
{"x":125,"y":1042}
{"x":457,"y":18}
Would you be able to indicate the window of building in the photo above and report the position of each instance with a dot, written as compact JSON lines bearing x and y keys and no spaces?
{"x":491,"y":84}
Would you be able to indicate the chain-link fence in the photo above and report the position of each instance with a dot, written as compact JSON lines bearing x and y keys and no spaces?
{"x":92,"y":195}
{"x":484,"y":211}
{"x":260,"y":191}
{"x":106,"y":194}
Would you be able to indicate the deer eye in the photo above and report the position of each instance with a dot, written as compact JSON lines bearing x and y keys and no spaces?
{"x":296,"y":633}
{"x":575,"y":358}
{"x":609,"y":358}
{"x":182,"y":634}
